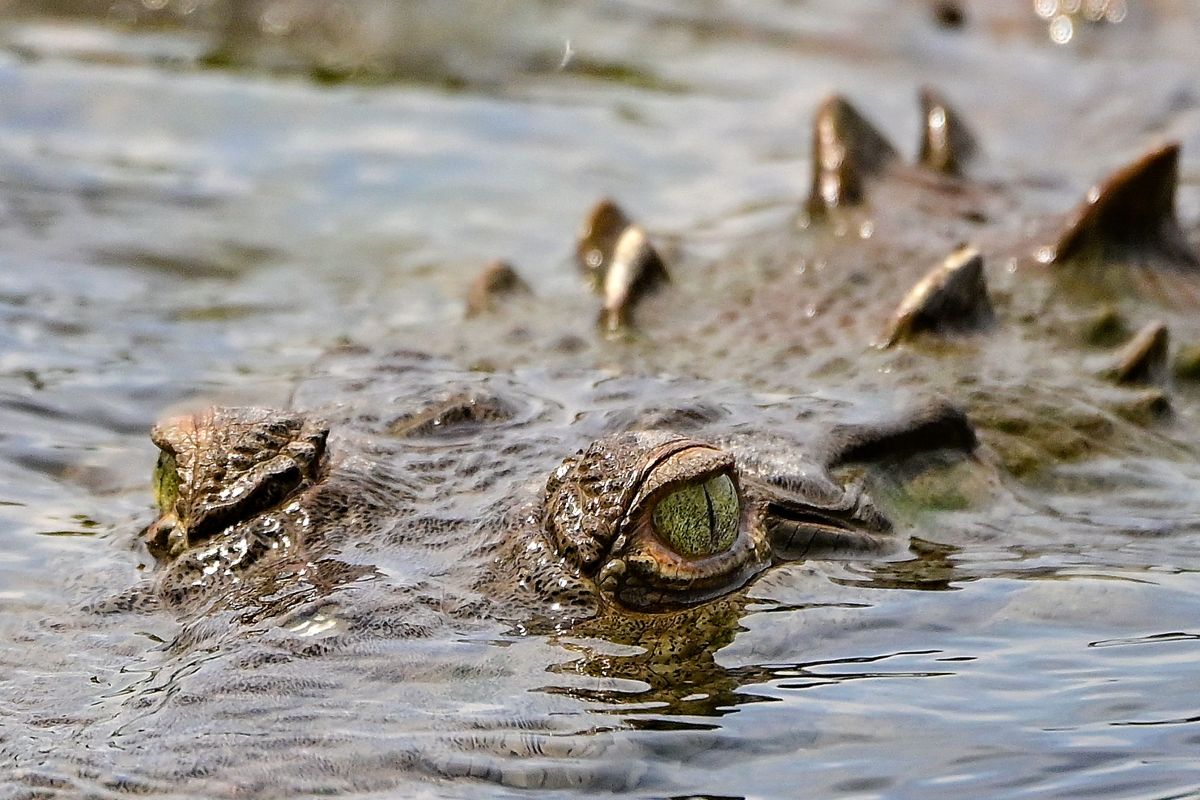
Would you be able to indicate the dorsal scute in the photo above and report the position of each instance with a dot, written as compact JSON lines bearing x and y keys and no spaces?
{"x":1144,"y":358}
{"x":947,"y":144}
{"x":846,"y":151}
{"x":1130,"y":215}
{"x":619,"y":262}
{"x":951,"y":297}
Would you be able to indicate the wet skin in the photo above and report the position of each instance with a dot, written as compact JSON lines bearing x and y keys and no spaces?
{"x":642,"y":521}
{"x":652,"y":520}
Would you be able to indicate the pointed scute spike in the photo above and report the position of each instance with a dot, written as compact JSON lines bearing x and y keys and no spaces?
{"x":946,"y":142}
{"x":952,"y":297}
{"x":1128,"y":216}
{"x":1143,"y":359}
{"x":635,"y":269}
{"x":601,"y":230}
{"x":847,"y":149}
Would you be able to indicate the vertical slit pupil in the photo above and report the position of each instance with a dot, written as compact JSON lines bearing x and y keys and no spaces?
{"x":712,"y":520}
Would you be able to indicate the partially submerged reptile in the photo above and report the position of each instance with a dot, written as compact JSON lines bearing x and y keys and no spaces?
{"x":892,"y":281}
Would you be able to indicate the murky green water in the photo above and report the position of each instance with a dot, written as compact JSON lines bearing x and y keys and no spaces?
{"x":191,"y":214}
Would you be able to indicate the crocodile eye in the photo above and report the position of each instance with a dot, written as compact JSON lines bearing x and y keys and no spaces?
{"x":656,"y":520}
{"x":700,"y":519}
{"x":166,"y":482}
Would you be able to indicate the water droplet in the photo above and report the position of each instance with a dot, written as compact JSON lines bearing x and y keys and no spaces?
{"x":1045,"y":8}
{"x":1061,"y":29}
{"x":1093,"y":10}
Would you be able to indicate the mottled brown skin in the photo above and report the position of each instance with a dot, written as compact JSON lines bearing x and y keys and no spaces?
{"x":227,"y":465}
{"x":256,"y":493}
{"x":588,"y":541}
{"x":237,"y":489}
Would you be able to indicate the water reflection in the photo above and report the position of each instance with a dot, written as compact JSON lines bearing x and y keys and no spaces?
{"x":665,"y":671}
{"x":672,"y":669}
{"x":932,"y":568}
{"x":1062,"y":16}
{"x":1156,"y":638}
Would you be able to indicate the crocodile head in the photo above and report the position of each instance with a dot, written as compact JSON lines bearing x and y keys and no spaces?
{"x":641,"y":521}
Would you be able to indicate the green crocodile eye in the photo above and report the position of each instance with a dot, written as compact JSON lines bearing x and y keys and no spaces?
{"x":166,"y":482}
{"x":700,"y":519}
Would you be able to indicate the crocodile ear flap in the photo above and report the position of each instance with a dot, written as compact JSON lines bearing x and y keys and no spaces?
{"x":847,"y":149}
{"x":946,"y":142}
{"x":1128,"y":216}
{"x":952,"y":297}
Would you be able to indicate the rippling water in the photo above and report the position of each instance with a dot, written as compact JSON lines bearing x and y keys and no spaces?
{"x":193,"y":210}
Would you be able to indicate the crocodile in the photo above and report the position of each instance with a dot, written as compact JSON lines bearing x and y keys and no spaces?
{"x":645,"y":520}
{"x":996,"y":351}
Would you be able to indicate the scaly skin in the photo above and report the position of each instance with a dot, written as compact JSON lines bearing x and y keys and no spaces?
{"x":253,"y":507}
{"x":589,"y":541}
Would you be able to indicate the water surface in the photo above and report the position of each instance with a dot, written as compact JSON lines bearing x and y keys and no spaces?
{"x":194,"y":212}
